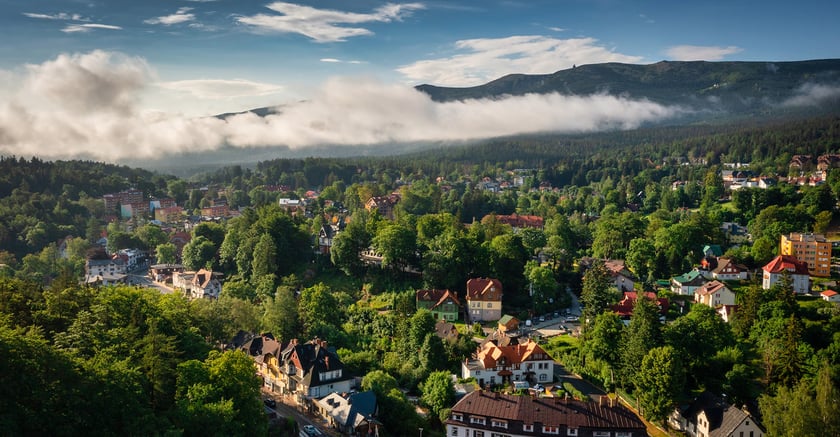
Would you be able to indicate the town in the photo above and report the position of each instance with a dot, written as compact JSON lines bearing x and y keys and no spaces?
{"x":483,"y":303}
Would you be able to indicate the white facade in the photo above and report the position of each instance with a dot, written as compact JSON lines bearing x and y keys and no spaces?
{"x":801,"y":283}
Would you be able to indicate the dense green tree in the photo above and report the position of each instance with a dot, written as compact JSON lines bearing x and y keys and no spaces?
{"x":318,"y":306}
{"x":543,"y":286}
{"x":613,"y":234}
{"x":280,"y":315}
{"x":198,"y":253}
{"x":641,"y":335}
{"x":166,"y":253}
{"x":397,"y":244}
{"x":438,"y":393}
{"x":696,"y":337}
{"x":658,"y":383}
{"x":264,"y":261}
{"x":151,"y":235}
{"x":598,"y":292}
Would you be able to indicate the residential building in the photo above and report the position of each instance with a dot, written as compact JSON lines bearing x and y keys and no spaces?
{"x":814,"y":249}
{"x":215,"y":211}
{"x":521,"y":221}
{"x":484,"y":299}
{"x":123,"y":197}
{"x":446,"y":330}
{"x":312,"y":370}
{"x":164,"y":272}
{"x":383,"y":204}
{"x":108,"y":269}
{"x":728,"y":270}
{"x":624,"y":308}
{"x":197,"y":285}
{"x":714,"y":294}
{"x":483,"y":413}
{"x":726,"y":311}
{"x":830,"y":296}
{"x":710,"y":416}
{"x":495,"y":364}
{"x":266,"y":351}
{"x":352,"y":414}
{"x":786,"y":264}
{"x":508,"y":323}
{"x":623,"y":278}
{"x":687,"y":283}
{"x":735,"y":232}
{"x":443,"y":304}
{"x":170,"y":214}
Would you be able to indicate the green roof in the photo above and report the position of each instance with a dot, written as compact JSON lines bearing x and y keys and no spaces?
{"x":687,"y":277}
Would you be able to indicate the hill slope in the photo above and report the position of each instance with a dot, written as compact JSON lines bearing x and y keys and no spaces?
{"x":732,"y":86}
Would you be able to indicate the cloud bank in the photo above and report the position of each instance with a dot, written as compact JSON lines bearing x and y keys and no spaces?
{"x":701,"y":53}
{"x":483,"y":59}
{"x":813,"y":94}
{"x":182,"y":15}
{"x":87,"y":105}
{"x":324,"y":25}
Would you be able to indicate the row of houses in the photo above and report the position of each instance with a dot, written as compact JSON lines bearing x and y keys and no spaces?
{"x":483,"y":301}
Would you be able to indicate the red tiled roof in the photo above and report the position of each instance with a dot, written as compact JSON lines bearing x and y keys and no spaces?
{"x":484,"y":289}
{"x":829,"y":293}
{"x":789,"y":263}
{"x":437,"y":296}
{"x":710,"y":288}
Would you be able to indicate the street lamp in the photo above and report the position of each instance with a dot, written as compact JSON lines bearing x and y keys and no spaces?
{"x":421,"y":432}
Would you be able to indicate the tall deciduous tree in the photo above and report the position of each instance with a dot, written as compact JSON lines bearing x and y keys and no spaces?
{"x":642,"y":335}
{"x":658,"y":382}
{"x":598,"y":291}
{"x":438,"y":392}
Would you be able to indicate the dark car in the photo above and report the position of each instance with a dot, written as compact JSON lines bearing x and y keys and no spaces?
{"x":270,"y":402}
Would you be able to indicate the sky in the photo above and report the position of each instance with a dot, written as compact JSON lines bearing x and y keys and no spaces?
{"x":110,"y":79}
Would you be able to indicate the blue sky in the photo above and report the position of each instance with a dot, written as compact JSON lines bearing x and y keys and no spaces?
{"x":201,"y":57}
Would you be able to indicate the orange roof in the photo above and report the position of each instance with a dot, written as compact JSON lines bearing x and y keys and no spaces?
{"x":710,"y":288}
{"x":437,"y":296}
{"x":490,"y":353}
{"x":829,"y":293}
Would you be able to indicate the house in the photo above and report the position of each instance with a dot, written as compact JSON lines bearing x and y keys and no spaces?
{"x":197,"y":285}
{"x":521,"y":221}
{"x":801,"y":162}
{"x":443,"y":304}
{"x":711,"y":416}
{"x":350,"y":413}
{"x":484,"y":299}
{"x":786,"y":264}
{"x":383,"y":204}
{"x":164,"y":272}
{"x":266,"y":351}
{"x":624,"y":308}
{"x":714,"y":294}
{"x":827,"y":162}
{"x":830,"y":296}
{"x":170,"y":214}
{"x":493,"y":364}
{"x":726,"y":311}
{"x":328,"y":233}
{"x":508,"y":323}
{"x":623,"y":278}
{"x":814,"y":249}
{"x":685,"y":284}
{"x":735,"y":233}
{"x":728,"y":270}
{"x":712,"y":250}
{"x":483,"y":413}
{"x":446,"y":330}
{"x":105,"y":271}
{"x":312,"y":370}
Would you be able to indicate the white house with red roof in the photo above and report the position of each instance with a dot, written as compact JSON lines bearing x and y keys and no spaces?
{"x":495,"y":364}
{"x":830,"y":296}
{"x":798,"y":271}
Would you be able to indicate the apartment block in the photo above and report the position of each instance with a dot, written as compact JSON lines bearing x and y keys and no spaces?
{"x":813,"y":249}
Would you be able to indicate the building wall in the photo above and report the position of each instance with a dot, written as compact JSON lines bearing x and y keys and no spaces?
{"x":811,"y":248}
{"x":801,"y":283}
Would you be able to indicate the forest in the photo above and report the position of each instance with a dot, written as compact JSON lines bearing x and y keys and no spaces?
{"x":86,"y":357}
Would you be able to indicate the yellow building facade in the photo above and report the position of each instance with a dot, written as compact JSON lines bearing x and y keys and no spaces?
{"x":813,"y":249}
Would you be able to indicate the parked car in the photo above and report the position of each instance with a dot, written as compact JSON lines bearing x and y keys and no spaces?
{"x":311,"y":430}
{"x":542,"y":318}
{"x":270,"y":402}
{"x":538,"y":388}
{"x":572,"y":319}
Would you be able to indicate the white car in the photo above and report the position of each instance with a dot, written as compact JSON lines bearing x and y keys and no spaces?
{"x":311,"y":430}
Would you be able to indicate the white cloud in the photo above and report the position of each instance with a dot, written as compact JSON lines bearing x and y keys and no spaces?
{"x":330,"y":60}
{"x":86,"y":105}
{"x":182,"y":15}
{"x":481,"y":60}
{"x":701,"y":53}
{"x":221,"y":88}
{"x":812,"y":94}
{"x":82,"y":28}
{"x":59,"y":16}
{"x":324,"y":25}
{"x":557,"y":29}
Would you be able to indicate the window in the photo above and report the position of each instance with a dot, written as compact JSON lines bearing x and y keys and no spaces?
{"x":489,"y":305}
{"x":458,"y":417}
{"x":454,"y":431}
{"x":543,"y":377}
{"x":478,"y":433}
{"x":498,"y":423}
{"x":550,"y":430}
{"x":623,"y":434}
{"x":572,"y":431}
{"x":478,"y":420}
{"x":601,"y":434}
{"x":528,"y":428}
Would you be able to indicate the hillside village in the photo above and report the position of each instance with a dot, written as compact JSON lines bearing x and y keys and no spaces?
{"x":694,"y":303}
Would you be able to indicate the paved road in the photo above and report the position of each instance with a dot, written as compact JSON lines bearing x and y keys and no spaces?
{"x":286,"y":408}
